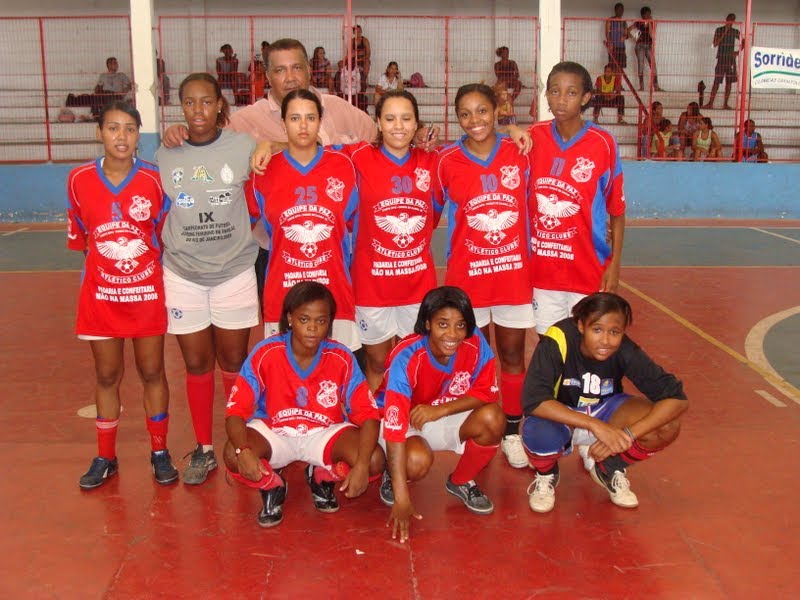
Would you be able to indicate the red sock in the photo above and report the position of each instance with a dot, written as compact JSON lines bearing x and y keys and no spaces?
{"x":106,"y":437}
{"x":228,"y":379}
{"x":543,"y":464}
{"x":157,"y":427}
{"x":267,"y":482}
{"x":636,"y":453}
{"x":200,"y":394}
{"x":472,"y":462}
{"x":511,"y":392}
{"x":335,"y":473}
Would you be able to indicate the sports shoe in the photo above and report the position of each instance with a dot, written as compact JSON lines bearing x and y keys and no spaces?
{"x":99,"y":472}
{"x":472,"y":497}
{"x":321,"y":493}
{"x":386,"y":491}
{"x":272,"y":512}
{"x":199,"y":466}
{"x":617,"y":485}
{"x":163,"y":469}
{"x":542,"y":491}
{"x":588,"y":461}
{"x":512,"y":447}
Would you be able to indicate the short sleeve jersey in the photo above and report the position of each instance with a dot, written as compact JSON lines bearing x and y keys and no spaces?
{"x":208,"y":235}
{"x":309,"y":213}
{"x":488,"y":248}
{"x":559,"y":371}
{"x":119,"y":229}
{"x":399,"y":207}
{"x":575,"y":185}
{"x":295,"y":402}
{"x":414,"y":377}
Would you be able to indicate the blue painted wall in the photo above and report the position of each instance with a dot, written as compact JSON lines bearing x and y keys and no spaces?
{"x":652,"y":189}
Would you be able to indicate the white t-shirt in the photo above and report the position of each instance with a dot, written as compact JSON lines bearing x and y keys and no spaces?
{"x":385,"y":84}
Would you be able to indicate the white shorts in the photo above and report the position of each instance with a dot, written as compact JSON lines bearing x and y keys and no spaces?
{"x":551,"y":306}
{"x":93,"y":338}
{"x":513,"y":316}
{"x":344,"y":332}
{"x":443,"y":434}
{"x":306,"y":448}
{"x":232,"y":304}
{"x":378,"y":324}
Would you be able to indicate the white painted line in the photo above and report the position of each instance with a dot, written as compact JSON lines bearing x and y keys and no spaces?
{"x":7,"y":233}
{"x":754,"y":349}
{"x":770,"y":398}
{"x":777,"y":235}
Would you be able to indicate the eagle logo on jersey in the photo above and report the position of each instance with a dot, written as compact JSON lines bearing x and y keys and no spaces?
{"x":403,"y":226}
{"x":177,"y":177}
{"x":335,"y":189}
{"x":460,"y":384}
{"x":552,"y":208}
{"x":423,"y":179}
{"x":202,"y":174}
{"x":510,"y":177}
{"x":493,"y":223}
{"x":307,"y":235}
{"x":326,"y":395}
{"x":140,"y":209}
{"x":124,"y":251}
{"x":226,"y":174}
{"x":391,"y":419}
{"x":582,"y":171}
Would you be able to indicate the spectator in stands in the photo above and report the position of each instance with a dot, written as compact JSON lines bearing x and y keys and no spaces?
{"x":649,"y":127}
{"x":688,"y":123}
{"x":666,"y":144}
{"x":321,"y":70}
{"x":645,"y":38}
{"x":751,"y":144}
{"x":163,"y":80}
{"x":362,"y":51}
{"x":507,"y":72}
{"x":608,"y":93}
{"x":258,"y":73}
{"x":111,"y":86}
{"x":351,"y":83}
{"x":705,"y":142}
{"x":505,"y":108}
{"x":725,"y":40}
{"x":229,"y":76}
{"x":616,"y":34}
{"x":390,"y":80}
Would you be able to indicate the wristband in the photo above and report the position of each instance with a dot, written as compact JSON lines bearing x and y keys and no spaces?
{"x":628,"y":432}
{"x":242,"y":449}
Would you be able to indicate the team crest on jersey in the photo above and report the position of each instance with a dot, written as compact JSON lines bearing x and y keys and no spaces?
{"x":510,"y":176}
{"x":335,"y":189}
{"x":391,"y":419}
{"x":177,"y":177}
{"x":402,"y":225}
{"x":493,"y":223}
{"x":582,"y":171}
{"x":202,"y":174}
{"x":125,"y":250}
{"x":307,"y":234}
{"x":460,"y":384}
{"x":552,"y":209}
{"x":234,"y":391}
{"x":326,"y":395}
{"x":140,"y":208}
{"x":184,"y":200}
{"x":423,"y":179}
{"x":226,"y":174}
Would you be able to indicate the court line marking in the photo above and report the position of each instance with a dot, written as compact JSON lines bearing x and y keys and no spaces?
{"x":7,"y":233}
{"x":770,"y":398}
{"x":777,"y":235}
{"x":754,"y":342}
{"x":769,"y":375}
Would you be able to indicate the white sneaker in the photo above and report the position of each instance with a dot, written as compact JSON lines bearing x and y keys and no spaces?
{"x":618,"y":487}
{"x":588,"y":461}
{"x":542,"y":492}
{"x":514,"y":451}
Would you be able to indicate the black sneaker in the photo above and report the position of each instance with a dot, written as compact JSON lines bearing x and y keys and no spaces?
{"x":199,"y":466}
{"x":386,"y":490}
{"x":163,"y":469}
{"x":472,"y":497}
{"x":272,"y":512}
{"x":99,"y":472}
{"x":321,"y":493}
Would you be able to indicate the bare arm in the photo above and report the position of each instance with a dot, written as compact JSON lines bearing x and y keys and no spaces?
{"x":425,"y":413}
{"x":610,"y":279}
{"x":357,"y":479}
{"x":402,"y":510}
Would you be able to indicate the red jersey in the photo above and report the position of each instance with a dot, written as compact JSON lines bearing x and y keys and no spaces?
{"x":119,"y":230}
{"x":575,"y":185}
{"x":295,"y":402}
{"x":413,"y":376}
{"x":399,"y":208}
{"x":488,"y":248}
{"x":308,"y":213}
